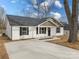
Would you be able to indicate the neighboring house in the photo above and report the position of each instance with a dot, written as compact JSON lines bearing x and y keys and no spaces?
{"x":18,"y":27}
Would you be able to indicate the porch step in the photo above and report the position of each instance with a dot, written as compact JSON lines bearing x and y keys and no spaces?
{"x":44,"y":38}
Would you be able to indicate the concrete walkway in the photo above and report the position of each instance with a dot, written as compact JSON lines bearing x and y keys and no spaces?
{"x":30,"y":49}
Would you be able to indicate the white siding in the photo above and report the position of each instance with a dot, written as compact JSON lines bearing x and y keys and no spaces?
{"x":61,"y":32}
{"x":53,"y":31}
{"x":15,"y":33}
{"x":8,"y":30}
{"x":32,"y":33}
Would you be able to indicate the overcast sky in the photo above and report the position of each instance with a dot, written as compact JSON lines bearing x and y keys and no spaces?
{"x":15,"y":7}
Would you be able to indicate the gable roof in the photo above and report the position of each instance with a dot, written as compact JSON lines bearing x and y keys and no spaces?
{"x":57,"y":22}
{"x":26,"y":21}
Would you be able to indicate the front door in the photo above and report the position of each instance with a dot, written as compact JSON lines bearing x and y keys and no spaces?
{"x":49,"y":32}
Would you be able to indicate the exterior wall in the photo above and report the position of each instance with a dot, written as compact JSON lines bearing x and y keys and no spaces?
{"x":32,"y":33}
{"x":15,"y":33}
{"x":53,"y":31}
{"x":66,"y":33}
{"x":8,"y":30}
{"x":61,"y":32}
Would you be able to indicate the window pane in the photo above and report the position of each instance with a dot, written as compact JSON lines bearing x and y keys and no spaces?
{"x":24,"y":29}
{"x":44,"y":30}
{"x":58,"y":30}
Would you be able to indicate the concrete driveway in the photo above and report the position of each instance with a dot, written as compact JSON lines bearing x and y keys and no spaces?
{"x":30,"y":49}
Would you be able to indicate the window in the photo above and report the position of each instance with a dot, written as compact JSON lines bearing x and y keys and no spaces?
{"x":58,"y":30}
{"x":42,"y":30}
{"x":24,"y":31}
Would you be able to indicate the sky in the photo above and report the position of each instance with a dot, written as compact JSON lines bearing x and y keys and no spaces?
{"x":29,"y":7}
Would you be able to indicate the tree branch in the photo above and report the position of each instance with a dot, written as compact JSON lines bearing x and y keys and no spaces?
{"x":67,"y":10}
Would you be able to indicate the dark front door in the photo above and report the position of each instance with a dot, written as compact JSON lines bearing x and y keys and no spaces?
{"x":49,"y":32}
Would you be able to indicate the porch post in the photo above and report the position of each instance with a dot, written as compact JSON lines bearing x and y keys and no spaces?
{"x":38,"y":32}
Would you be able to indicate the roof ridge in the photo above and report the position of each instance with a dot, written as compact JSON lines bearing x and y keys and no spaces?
{"x":22,"y":16}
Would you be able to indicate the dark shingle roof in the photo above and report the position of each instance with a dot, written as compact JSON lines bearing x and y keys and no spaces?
{"x":28,"y":21}
{"x":24,"y":21}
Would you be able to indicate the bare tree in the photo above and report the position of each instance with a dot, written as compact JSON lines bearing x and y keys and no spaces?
{"x":72,"y":20}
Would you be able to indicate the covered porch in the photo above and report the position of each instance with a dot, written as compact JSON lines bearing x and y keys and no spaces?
{"x":43,"y":32}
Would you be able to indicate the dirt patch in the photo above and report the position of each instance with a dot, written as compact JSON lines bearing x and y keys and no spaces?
{"x":3,"y":53}
{"x":63,"y":41}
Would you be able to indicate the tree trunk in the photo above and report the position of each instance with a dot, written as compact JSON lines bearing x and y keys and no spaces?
{"x":74,"y":25}
{"x":72,"y":19}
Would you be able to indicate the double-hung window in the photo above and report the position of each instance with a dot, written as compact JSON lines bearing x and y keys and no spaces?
{"x":24,"y":31}
{"x":58,"y":30}
{"x":42,"y":30}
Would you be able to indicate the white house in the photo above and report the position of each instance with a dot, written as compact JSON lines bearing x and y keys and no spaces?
{"x":18,"y":27}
